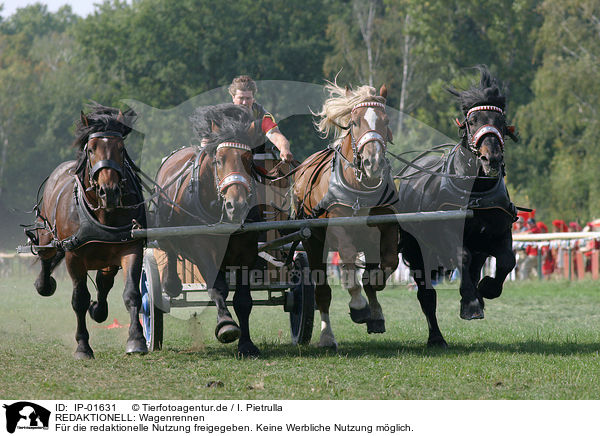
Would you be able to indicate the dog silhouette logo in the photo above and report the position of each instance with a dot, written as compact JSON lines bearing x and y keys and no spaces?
{"x":26,"y":415}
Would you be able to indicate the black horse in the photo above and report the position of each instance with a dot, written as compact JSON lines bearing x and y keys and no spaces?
{"x":469,"y":175}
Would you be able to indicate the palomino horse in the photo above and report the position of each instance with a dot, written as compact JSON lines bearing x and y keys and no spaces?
{"x":205,"y":186}
{"x":88,"y":209}
{"x":470,"y":175}
{"x":351,"y":178}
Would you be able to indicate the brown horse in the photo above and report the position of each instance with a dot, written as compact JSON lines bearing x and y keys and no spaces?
{"x":88,"y":209}
{"x":349,"y":178}
{"x":208,"y":185}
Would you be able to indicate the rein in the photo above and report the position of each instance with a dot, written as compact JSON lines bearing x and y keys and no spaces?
{"x":421,"y":169}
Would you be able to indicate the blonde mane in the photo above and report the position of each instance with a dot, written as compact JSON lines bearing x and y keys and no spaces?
{"x":337,"y":108}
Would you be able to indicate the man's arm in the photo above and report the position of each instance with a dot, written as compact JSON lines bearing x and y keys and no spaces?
{"x":282,"y":144}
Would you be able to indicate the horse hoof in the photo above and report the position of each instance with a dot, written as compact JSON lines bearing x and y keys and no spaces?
{"x":471,"y":310}
{"x":83,"y":354}
{"x":48,"y":290}
{"x":227,"y":331}
{"x":330,"y":346}
{"x":248,"y":350}
{"x":360,"y":316}
{"x":98,"y":312}
{"x":173,"y":288}
{"x":488,"y":288}
{"x":437,"y":342}
{"x":375,"y":326}
{"x":136,"y":347}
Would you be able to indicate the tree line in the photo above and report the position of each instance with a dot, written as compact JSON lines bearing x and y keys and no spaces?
{"x":163,"y":53}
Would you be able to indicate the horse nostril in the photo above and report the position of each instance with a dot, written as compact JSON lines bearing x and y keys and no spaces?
{"x":102,"y":192}
{"x":367,"y":163}
{"x":229,"y":205}
{"x":484,"y":158}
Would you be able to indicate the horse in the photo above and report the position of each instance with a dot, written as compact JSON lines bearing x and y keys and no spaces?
{"x":469,"y":175}
{"x":86,"y":213}
{"x":351,"y":177}
{"x":206,"y":185}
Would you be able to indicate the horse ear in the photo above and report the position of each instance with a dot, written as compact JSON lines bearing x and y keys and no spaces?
{"x":121,"y":117}
{"x":84,"y":119}
{"x":348,"y":90}
{"x":214,"y":126}
{"x":383,"y":91}
{"x":512,"y":134}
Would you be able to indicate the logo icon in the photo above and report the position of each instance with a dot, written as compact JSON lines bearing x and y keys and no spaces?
{"x":26,"y":415}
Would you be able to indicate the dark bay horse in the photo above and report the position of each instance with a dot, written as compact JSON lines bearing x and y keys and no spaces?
{"x":88,"y":209}
{"x":350,"y":178}
{"x":206,"y":185}
{"x":468,"y":175}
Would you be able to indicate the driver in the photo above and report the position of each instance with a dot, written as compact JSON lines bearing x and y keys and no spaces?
{"x":242,"y":91}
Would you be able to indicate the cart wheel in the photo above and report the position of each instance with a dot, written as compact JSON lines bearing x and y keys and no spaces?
{"x":152,"y":316}
{"x":302,"y":312}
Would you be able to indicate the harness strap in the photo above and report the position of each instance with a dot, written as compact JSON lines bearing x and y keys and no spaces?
{"x":108,"y":163}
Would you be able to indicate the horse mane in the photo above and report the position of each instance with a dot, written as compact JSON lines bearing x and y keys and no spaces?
{"x":101,"y":119}
{"x":489,"y":91}
{"x":337,"y":108}
{"x":233,"y":122}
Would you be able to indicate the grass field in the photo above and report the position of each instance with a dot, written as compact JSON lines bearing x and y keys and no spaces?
{"x":540,"y":340}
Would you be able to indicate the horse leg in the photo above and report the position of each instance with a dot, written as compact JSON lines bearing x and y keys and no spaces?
{"x":314,"y":251}
{"x":227,"y":329}
{"x":105,"y":278}
{"x":477,"y":262}
{"x":427,"y":296}
{"x":171,"y":282}
{"x":470,"y":306}
{"x":376,"y":275}
{"x":45,"y":284}
{"x":80,"y":301}
{"x":360,"y":311}
{"x":242,"y":304}
{"x":132,"y":297}
{"x":491,"y":287}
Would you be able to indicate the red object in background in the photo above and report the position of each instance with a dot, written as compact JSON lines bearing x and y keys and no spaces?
{"x":114,"y":325}
{"x":549,"y":263}
{"x":526,"y":214}
{"x":574,"y":227}
{"x":335,"y":259}
{"x":560,"y":226}
{"x":542,"y":228}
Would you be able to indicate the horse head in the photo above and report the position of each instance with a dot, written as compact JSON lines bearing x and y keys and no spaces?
{"x":230,"y":137}
{"x":369,"y":131}
{"x":104,"y":154}
{"x":485,"y":125}
{"x":233,"y":168}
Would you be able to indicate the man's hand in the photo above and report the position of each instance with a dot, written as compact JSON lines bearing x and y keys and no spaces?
{"x":286,"y":155}
{"x":282,"y":144}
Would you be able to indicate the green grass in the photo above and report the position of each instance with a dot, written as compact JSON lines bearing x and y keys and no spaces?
{"x":538,"y":341}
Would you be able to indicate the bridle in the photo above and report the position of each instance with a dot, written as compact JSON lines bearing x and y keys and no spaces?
{"x":359,"y":144}
{"x":234,"y":177}
{"x":93,"y":171}
{"x":473,"y":140}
